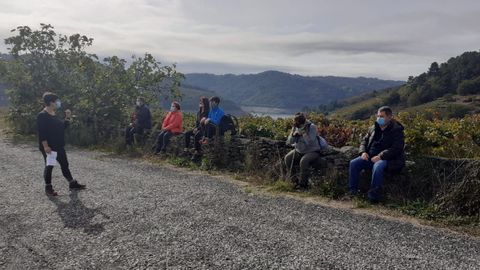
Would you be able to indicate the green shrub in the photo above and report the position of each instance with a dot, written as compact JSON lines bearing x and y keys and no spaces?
{"x":469,"y":87}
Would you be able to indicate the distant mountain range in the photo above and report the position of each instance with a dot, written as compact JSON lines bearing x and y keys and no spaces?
{"x":283,"y":90}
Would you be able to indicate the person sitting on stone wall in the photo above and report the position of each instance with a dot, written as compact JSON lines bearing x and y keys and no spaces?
{"x":141,"y":119}
{"x":198,"y":131}
{"x":172,"y":125}
{"x":307,"y":148}
{"x":212,"y":122}
{"x":381,"y":149}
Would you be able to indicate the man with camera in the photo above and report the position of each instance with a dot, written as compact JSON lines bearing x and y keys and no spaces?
{"x":303,"y":138}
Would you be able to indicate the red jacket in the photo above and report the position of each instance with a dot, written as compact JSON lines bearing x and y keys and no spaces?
{"x":173,"y":122}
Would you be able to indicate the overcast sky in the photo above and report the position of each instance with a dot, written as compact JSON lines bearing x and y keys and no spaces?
{"x":375,"y":38}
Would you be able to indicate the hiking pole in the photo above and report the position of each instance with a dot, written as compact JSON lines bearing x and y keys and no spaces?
{"x":293,"y":160}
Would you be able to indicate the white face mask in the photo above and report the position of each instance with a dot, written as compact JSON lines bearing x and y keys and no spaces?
{"x":172,"y":108}
{"x":139,"y":103}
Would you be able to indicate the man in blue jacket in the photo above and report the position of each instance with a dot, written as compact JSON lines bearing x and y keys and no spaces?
{"x":214,"y":118}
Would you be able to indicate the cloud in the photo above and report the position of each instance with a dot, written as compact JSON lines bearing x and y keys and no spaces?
{"x":385,"y":38}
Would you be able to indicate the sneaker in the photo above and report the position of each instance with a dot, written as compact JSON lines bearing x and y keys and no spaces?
{"x":75,"y":185}
{"x":49,"y":191}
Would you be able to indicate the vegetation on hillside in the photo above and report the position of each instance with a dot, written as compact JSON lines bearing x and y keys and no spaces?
{"x":452,"y":87}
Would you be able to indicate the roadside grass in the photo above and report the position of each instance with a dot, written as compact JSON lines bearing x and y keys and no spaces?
{"x":281,"y":186}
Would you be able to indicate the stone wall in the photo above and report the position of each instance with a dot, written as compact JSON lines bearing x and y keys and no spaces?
{"x":424,"y":178}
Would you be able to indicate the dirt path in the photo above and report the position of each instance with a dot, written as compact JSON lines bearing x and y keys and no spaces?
{"x":141,"y":216}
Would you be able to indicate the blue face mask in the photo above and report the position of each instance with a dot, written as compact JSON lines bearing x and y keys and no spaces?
{"x":381,"y":121}
{"x":58,"y":104}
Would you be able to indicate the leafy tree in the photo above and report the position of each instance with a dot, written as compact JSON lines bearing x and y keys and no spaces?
{"x":393,"y":98}
{"x":100,"y":93}
{"x":434,"y":69}
{"x":469,"y":87}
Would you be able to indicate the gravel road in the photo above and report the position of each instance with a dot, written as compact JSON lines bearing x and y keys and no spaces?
{"x":135,"y":215}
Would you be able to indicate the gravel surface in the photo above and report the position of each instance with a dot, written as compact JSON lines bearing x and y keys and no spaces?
{"x":136,"y":215}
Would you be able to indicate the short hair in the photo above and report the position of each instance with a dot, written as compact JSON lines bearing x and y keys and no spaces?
{"x":387,"y":110}
{"x":176,"y":104}
{"x":49,"y":97}
{"x":215,"y":99}
{"x":142,"y":99}
{"x":300,"y":118}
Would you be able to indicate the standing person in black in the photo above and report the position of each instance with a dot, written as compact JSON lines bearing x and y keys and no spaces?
{"x":51,"y":137}
{"x":197,"y":132}
{"x":141,"y":120}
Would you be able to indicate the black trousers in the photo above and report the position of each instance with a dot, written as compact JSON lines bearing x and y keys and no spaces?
{"x":162,"y":140}
{"x":196,"y":139}
{"x":62,"y":160}
{"x":210,"y":130}
{"x":130,"y":133}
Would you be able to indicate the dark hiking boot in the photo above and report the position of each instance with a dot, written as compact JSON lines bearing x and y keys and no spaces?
{"x":49,"y":191}
{"x":75,"y":185}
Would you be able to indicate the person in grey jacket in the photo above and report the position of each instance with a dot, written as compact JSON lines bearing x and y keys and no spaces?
{"x":303,"y":138}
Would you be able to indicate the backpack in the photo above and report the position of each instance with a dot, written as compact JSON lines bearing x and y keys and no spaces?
{"x":229,"y":123}
{"x":321,"y":141}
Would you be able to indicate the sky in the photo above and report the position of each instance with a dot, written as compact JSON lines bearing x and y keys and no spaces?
{"x":373,"y":38}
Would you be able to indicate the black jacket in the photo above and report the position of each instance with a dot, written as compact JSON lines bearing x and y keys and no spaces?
{"x":392,"y":146}
{"x":143,"y":117}
{"x":200,"y":115}
{"x":51,"y":129}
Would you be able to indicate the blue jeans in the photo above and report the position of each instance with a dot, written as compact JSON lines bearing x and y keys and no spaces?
{"x":357,"y":165}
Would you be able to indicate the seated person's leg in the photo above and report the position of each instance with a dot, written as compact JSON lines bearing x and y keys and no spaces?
{"x":356,"y":166}
{"x":139,"y":134}
{"x":291,"y":159}
{"x":211,"y":130}
{"x":129,"y":135}
{"x":159,"y":142}
{"x":197,"y":137}
{"x":377,"y":179}
{"x":188,"y":136}
{"x":166,"y":140}
{"x":305,"y":163}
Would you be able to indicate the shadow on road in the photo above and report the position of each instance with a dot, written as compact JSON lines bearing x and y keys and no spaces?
{"x":76,"y":215}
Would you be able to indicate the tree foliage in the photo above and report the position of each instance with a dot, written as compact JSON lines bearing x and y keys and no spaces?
{"x":99,"y":92}
{"x":469,"y":87}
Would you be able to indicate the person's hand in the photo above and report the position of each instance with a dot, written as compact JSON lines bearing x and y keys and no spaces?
{"x":207,"y":121}
{"x":68,"y":113}
{"x":130,"y":125}
{"x":47,"y":149}
{"x":195,"y":130}
{"x":365,"y":156}
{"x":376,"y":159}
{"x":202,"y":121}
